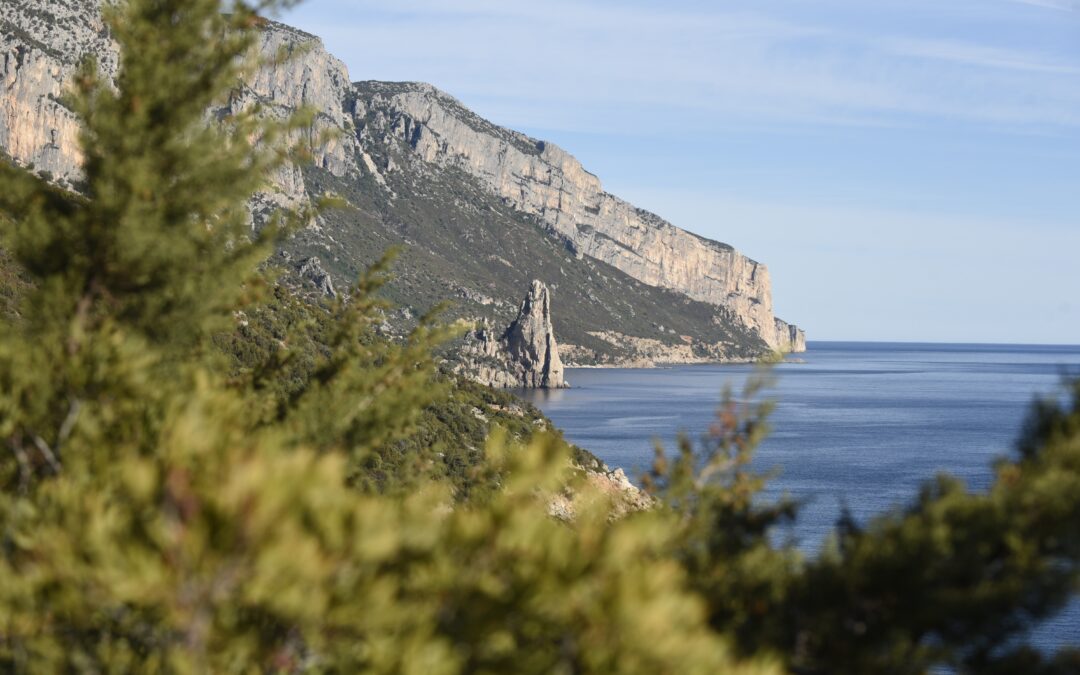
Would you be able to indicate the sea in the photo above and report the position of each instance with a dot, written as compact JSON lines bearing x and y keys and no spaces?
{"x":856,"y":425}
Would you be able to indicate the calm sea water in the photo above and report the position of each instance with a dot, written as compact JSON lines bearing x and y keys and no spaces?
{"x":860,"y":425}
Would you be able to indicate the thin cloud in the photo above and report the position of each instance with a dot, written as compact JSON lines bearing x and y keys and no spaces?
{"x":1062,"y":5}
{"x":941,"y":134}
{"x":587,"y":66}
{"x":979,"y":56}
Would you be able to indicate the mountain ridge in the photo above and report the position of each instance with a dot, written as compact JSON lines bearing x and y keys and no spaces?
{"x":480,"y":209}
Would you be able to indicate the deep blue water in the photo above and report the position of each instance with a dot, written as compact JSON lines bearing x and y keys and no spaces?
{"x":856,"y":424}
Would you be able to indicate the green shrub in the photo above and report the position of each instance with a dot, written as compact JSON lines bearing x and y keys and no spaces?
{"x":199,"y":473}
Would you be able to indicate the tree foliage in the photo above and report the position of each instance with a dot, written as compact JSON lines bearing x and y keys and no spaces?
{"x":201,"y":473}
{"x":168,"y":509}
{"x":956,"y":580}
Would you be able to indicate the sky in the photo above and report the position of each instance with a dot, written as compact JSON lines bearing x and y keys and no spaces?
{"x":909,"y":170}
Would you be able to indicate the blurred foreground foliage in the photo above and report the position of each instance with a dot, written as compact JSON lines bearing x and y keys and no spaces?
{"x":201,"y":473}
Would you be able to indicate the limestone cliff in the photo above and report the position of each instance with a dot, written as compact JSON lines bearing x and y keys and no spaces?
{"x":789,"y":338}
{"x":43,"y":43}
{"x":542,"y":179}
{"x":469,"y":200}
{"x":41,"y":47}
{"x":309,"y":78}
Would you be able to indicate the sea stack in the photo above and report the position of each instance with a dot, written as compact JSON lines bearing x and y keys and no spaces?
{"x":789,"y":339}
{"x":530,"y":341}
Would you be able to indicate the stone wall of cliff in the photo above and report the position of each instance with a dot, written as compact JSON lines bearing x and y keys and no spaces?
{"x":544,"y":180}
{"x":43,"y":41}
{"x":530,"y":341}
{"x":41,"y":47}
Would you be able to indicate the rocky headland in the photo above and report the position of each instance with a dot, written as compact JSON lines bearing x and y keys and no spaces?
{"x":480,"y":211}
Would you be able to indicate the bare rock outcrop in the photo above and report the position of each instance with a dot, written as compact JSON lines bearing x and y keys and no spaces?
{"x":530,"y":341}
{"x":789,"y":338}
{"x":624,"y":498}
{"x":41,"y":47}
{"x":43,"y":43}
{"x":525,"y":355}
{"x":312,"y":270}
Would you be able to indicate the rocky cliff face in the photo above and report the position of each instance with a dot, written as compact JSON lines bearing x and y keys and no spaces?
{"x":790,"y":338}
{"x":543,"y":180}
{"x":43,"y":43}
{"x":310,"y":78}
{"x":41,"y":47}
{"x":420,"y":169}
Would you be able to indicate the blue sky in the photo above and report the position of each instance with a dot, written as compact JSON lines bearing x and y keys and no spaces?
{"x":908,"y":169}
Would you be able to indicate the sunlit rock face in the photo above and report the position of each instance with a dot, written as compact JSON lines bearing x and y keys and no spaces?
{"x":42,"y":44}
{"x":405,"y":136}
{"x":789,"y":338}
{"x":530,"y":341}
{"x":544,"y":180}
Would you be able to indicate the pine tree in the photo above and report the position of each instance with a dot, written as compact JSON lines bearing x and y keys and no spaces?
{"x":161,"y":512}
{"x":134,"y":274}
{"x":957,"y":579}
{"x":166,"y":509}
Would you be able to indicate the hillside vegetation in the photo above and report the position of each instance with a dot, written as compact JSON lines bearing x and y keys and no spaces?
{"x":200,"y":473}
{"x":458,"y":243}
